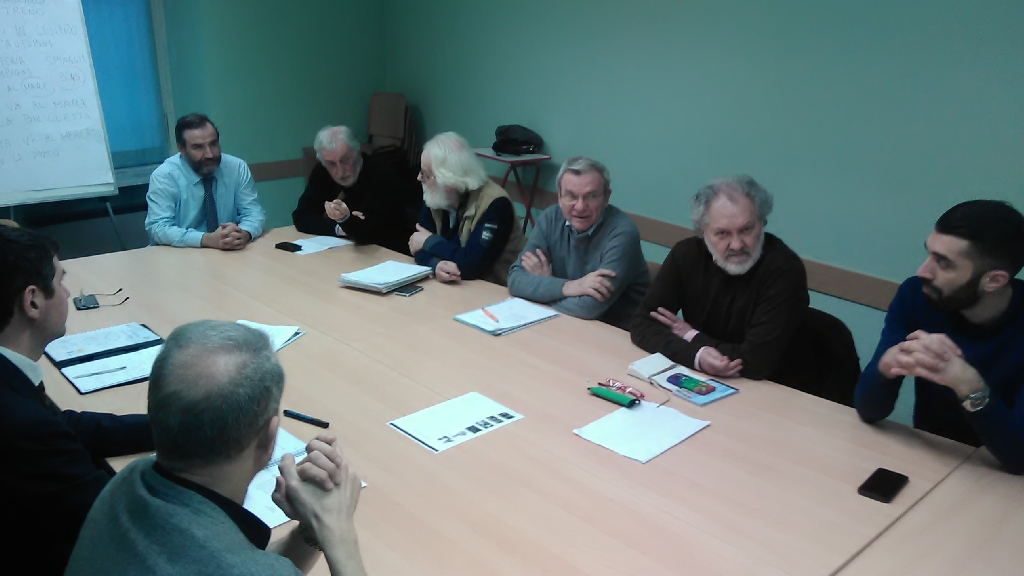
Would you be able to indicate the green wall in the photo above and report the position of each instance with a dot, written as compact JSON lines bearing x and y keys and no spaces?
{"x":270,"y":74}
{"x":865,"y":119}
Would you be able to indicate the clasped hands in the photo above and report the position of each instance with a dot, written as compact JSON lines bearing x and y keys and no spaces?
{"x":227,"y":236}
{"x":933,"y":357}
{"x":711,"y":361}
{"x":322,"y":491}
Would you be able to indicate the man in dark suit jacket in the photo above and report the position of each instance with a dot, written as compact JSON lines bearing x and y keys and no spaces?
{"x":54,"y":465}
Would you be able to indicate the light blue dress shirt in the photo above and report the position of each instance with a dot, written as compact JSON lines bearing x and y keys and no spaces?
{"x":176,"y":214}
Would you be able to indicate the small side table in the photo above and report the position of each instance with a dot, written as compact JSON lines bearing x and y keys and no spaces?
{"x":514,"y":162}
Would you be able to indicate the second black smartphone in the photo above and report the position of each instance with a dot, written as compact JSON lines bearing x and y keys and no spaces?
{"x":883,"y":485}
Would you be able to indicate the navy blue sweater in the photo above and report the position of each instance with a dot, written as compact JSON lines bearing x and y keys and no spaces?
{"x":996,"y":351}
{"x":481,"y":251}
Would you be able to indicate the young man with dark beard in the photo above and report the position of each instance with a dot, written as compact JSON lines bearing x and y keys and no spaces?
{"x":957,"y":327}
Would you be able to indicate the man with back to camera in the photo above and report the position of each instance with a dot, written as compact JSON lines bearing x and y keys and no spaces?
{"x":584,"y":257}
{"x":200,"y":197}
{"x":55,"y":461}
{"x":957,"y":328}
{"x":214,"y":400}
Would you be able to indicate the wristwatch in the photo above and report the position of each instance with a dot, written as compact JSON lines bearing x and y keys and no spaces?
{"x":976,"y":400}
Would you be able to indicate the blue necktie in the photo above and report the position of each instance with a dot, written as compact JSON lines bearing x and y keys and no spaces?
{"x":212,"y":222}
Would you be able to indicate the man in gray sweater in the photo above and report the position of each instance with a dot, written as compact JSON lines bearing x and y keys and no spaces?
{"x":214,"y":396}
{"x":583,"y":258}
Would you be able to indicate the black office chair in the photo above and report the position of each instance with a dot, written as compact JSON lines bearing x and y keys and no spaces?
{"x":823,"y":359}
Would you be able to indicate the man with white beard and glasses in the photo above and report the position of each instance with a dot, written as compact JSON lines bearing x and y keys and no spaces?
{"x":467,"y":228}
{"x":742,"y":292}
{"x":957,"y":328}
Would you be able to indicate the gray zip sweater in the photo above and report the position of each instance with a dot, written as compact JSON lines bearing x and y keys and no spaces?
{"x":613,"y":243}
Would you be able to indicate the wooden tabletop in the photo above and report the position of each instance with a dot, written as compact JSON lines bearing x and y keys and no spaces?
{"x":970,"y":524}
{"x":768,"y":488}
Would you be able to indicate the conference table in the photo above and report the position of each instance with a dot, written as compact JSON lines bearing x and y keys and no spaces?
{"x":770,"y":487}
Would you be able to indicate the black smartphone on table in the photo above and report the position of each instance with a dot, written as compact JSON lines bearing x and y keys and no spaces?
{"x":883,"y":485}
{"x":408,"y":290}
{"x":288,"y":246}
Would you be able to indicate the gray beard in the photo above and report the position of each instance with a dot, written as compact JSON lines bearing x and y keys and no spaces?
{"x":435,"y":199}
{"x":738,"y":269}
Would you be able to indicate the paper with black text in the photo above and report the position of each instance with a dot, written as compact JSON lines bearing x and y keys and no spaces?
{"x":450,"y":423}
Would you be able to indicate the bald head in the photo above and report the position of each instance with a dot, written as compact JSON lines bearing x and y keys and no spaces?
{"x":213,"y":390}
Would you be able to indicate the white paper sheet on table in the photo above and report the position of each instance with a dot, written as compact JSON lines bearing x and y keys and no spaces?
{"x":280,"y":336}
{"x":449,"y":423}
{"x":114,"y":371}
{"x":319,"y":244}
{"x":641,"y":432}
{"x":259,"y":496}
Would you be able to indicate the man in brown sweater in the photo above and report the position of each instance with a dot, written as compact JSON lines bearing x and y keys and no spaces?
{"x":742,"y":292}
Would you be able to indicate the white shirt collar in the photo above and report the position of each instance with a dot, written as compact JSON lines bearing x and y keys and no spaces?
{"x":32,"y":370}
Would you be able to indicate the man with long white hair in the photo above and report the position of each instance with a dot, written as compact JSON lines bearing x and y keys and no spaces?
{"x":742,"y":292}
{"x":367,"y":198}
{"x":468,"y":228}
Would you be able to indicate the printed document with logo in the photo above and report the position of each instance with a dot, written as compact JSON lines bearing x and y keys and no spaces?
{"x":450,"y":423}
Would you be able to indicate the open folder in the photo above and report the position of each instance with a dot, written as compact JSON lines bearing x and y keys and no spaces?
{"x":107,"y":357}
{"x":506,"y":316}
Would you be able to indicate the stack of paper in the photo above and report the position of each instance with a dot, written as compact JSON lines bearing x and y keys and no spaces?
{"x":280,"y":336}
{"x":108,"y":357}
{"x":319,"y":244}
{"x":385,"y":277}
{"x":645,"y":368}
{"x":507,"y":316}
{"x":449,"y":423}
{"x":641,"y":432}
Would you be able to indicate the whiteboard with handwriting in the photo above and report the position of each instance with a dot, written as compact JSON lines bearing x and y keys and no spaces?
{"x":53,"y":144}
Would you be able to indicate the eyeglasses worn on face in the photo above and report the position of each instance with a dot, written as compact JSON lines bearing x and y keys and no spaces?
{"x":590,"y":198}
{"x":424,"y":177}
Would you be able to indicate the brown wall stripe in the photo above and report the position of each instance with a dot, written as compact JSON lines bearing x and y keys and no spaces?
{"x":824,"y":278}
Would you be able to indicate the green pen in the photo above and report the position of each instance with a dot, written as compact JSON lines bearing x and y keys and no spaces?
{"x":614,"y":397}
